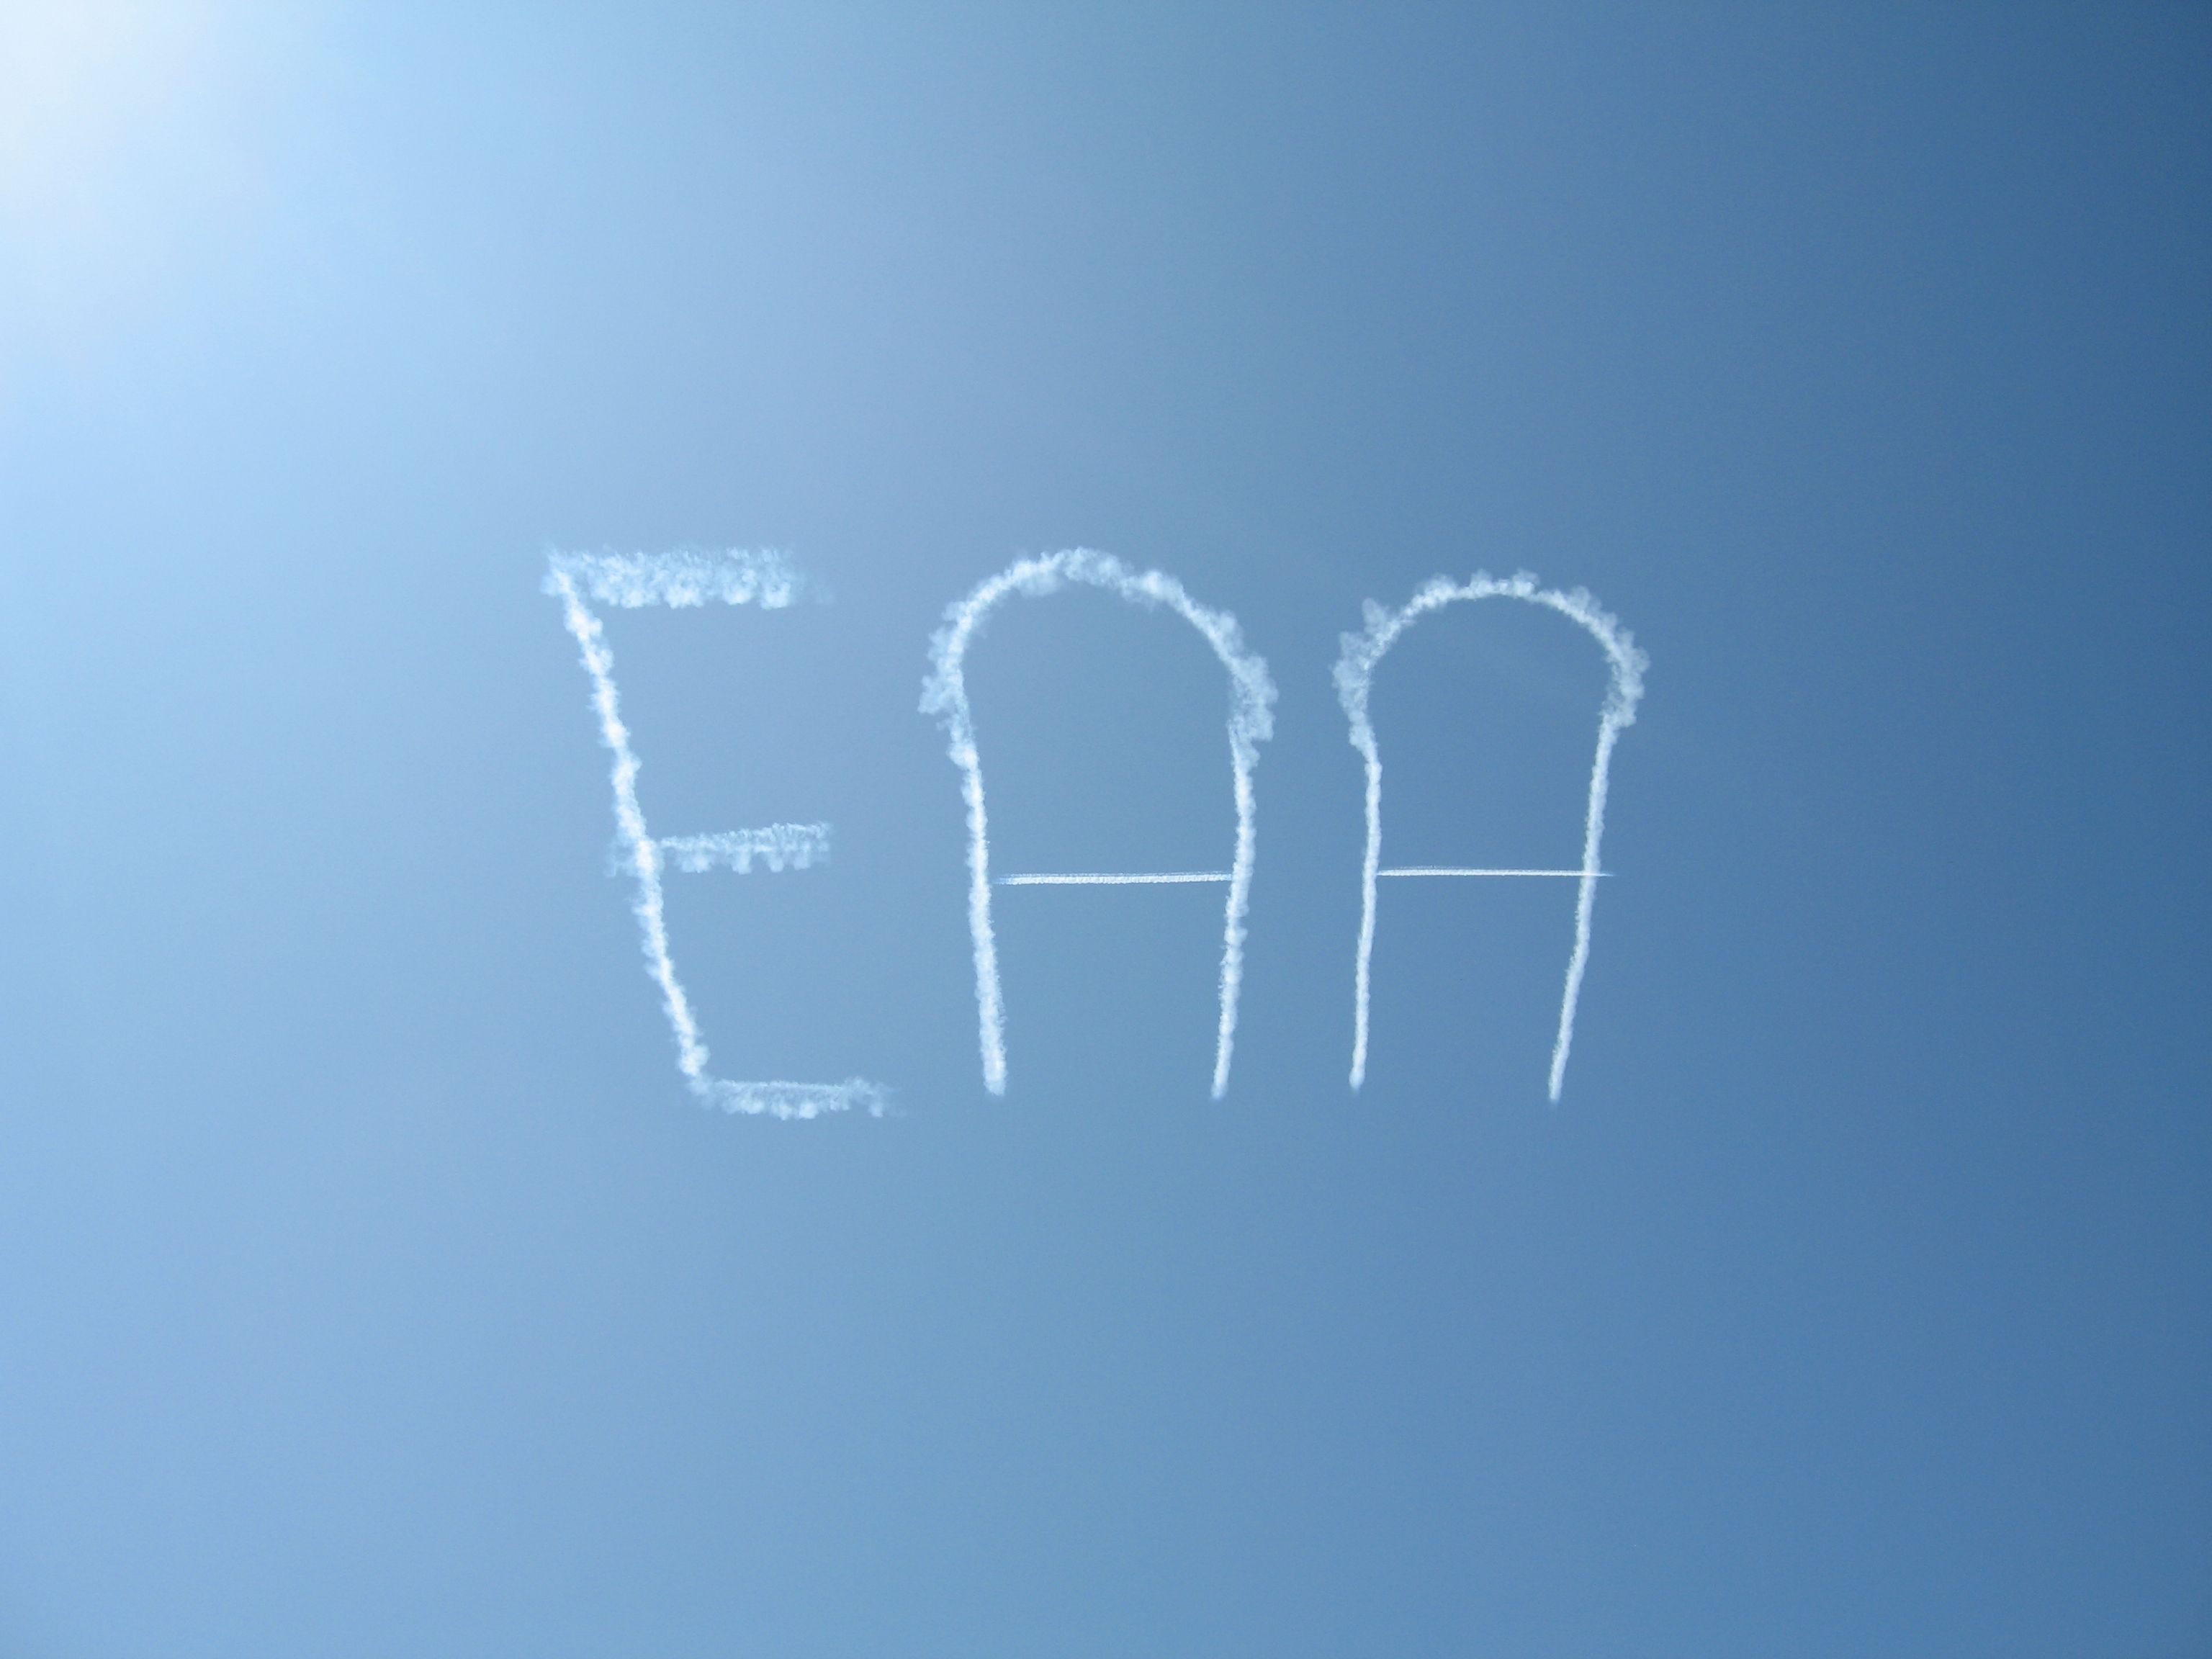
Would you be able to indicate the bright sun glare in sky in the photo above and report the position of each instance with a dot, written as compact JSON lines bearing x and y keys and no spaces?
{"x":102,"y":137}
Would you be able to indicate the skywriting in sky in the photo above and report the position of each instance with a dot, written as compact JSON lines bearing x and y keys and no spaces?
{"x":691,"y":577}
{"x":1355,"y":678}
{"x":1251,"y":722}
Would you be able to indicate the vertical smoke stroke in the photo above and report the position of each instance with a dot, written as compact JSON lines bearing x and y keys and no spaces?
{"x":689,"y":577}
{"x":1251,"y":722}
{"x":1355,"y":677}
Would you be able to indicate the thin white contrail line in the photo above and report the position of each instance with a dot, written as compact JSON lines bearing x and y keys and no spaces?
{"x":945,"y":694}
{"x":1177,"y":876}
{"x":631,"y":580}
{"x":1439,"y":870}
{"x":1355,"y":677}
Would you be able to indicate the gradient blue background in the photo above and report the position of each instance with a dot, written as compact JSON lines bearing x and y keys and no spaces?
{"x":367,"y":1283}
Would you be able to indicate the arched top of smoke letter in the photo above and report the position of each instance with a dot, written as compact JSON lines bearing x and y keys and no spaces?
{"x":1355,"y":668}
{"x":945,"y":694}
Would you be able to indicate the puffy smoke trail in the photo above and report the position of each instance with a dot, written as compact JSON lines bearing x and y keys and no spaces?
{"x":1251,"y":722}
{"x":799,"y":846}
{"x":1355,"y":678}
{"x":688,"y":576}
{"x":630,"y":579}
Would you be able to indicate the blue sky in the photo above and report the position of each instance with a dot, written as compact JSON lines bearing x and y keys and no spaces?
{"x":370,"y":1283}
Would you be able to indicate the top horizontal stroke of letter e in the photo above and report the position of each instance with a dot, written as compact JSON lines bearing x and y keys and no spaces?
{"x":686,"y":578}
{"x":1251,"y":722}
{"x":1355,"y":678}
